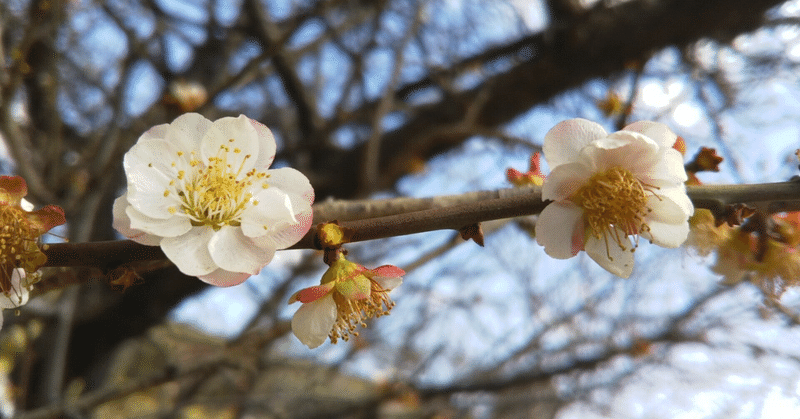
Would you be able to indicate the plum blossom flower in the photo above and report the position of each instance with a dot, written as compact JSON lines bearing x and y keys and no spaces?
{"x":764,"y":251}
{"x":202,"y":191}
{"x":20,"y":255}
{"x":16,"y":294}
{"x":533,"y":176}
{"x":606,"y":187}
{"x":348,"y":295}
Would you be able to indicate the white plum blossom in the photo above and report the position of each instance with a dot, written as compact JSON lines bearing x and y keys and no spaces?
{"x":202,"y":191}
{"x":16,"y":294}
{"x":606,"y":187}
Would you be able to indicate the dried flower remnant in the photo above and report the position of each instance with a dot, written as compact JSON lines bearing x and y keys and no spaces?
{"x":348,"y":295}
{"x":606,"y":187}
{"x":20,"y":255}
{"x":202,"y":191}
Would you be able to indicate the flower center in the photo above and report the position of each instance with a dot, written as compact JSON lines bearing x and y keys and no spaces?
{"x":351,"y":313}
{"x":612,"y":201}
{"x":18,"y":246}
{"x":215,"y":194}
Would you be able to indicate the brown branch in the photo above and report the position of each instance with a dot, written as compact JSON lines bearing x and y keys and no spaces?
{"x":405,"y":216}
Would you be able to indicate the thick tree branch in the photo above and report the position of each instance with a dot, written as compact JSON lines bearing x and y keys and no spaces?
{"x":403,"y":216}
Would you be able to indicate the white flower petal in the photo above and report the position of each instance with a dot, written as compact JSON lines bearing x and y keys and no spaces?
{"x":266,"y":145}
{"x":560,"y":230}
{"x":629,"y":150}
{"x":157,"y":154}
{"x":678,"y":196}
{"x":146,"y":190}
{"x":17,"y":295}
{"x":292,"y":182}
{"x":186,"y":131}
{"x":160,"y":227}
{"x":274,"y":208}
{"x":613,"y":259}
{"x":225,"y":137}
{"x":669,"y":225}
{"x":563,"y":142}
{"x":122,"y":223}
{"x":666,"y":169}
{"x":233,"y":251}
{"x":189,"y":252}
{"x":158,"y":132}
{"x":313,"y":322}
{"x":26,"y":205}
{"x":388,"y":283}
{"x":564,"y":180}
{"x":658,"y":132}
{"x":223,"y":278}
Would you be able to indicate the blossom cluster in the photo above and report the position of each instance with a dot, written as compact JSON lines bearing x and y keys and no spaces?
{"x":20,"y":255}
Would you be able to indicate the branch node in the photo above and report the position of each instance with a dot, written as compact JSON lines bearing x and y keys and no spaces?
{"x":472,"y":231}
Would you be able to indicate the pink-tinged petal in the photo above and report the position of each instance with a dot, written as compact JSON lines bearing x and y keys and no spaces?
{"x":223,"y":278}
{"x":225,"y":137}
{"x":613,"y":259}
{"x":16,"y":296}
{"x":286,"y":235}
{"x":355,"y":288}
{"x":311,"y":294}
{"x":48,"y":217}
{"x":122,"y":223}
{"x":292,"y":182}
{"x":658,"y":132}
{"x":189,"y":252}
{"x":274,"y":209}
{"x":388,"y":271}
{"x":266,"y":145}
{"x":556,"y":227}
{"x":564,"y":180}
{"x":146,"y":189}
{"x":313,"y":322}
{"x":233,"y":251}
{"x":186,"y":131}
{"x":563,"y":142}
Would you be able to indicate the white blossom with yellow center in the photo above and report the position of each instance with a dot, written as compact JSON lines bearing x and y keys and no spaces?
{"x":202,"y":190}
{"x":607,"y":187}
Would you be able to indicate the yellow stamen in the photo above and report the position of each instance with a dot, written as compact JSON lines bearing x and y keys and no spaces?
{"x":216,"y":193}
{"x":18,"y":247}
{"x":352,"y":313}
{"x":615,"y":200}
